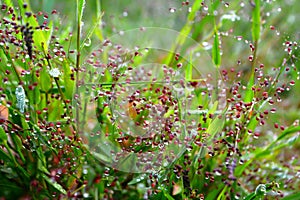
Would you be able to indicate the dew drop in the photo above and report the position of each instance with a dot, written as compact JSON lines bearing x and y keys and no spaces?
{"x":172,"y":10}
{"x":85,"y":195}
{"x":85,"y":171}
{"x":217,"y":173}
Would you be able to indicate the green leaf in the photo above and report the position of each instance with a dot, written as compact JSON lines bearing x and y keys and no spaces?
{"x":189,"y":70}
{"x":216,"y":53}
{"x":214,"y":193}
{"x":292,"y":196}
{"x":288,"y":131}
{"x":42,"y":168}
{"x":251,"y":196}
{"x":55,"y":110}
{"x":186,"y":30}
{"x":101,"y":157}
{"x":8,"y":3}
{"x":18,"y":145}
{"x":216,"y":126}
{"x":45,"y":80}
{"x":253,"y":123}
{"x":68,"y":82}
{"x":168,"y":196}
{"x":34,"y":96}
{"x":3,"y":136}
{"x":41,"y":38}
{"x":203,"y":27}
{"x":158,"y":196}
{"x":137,"y":179}
{"x":266,"y":151}
{"x":249,"y":92}
{"x":4,"y":156}
{"x":91,"y":31}
{"x":256,"y":21}
{"x":80,"y":9}
{"x":54,"y":184}
{"x":222,"y":193}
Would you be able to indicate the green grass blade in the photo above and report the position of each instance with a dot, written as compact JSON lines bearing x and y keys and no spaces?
{"x":91,"y":32}
{"x":267,"y":150}
{"x":54,"y":184}
{"x":188,"y":26}
{"x":256,"y":21}
{"x":80,"y":9}
{"x":284,"y":134}
{"x":216,"y":53}
{"x":9,"y":3}
{"x":41,"y":38}
{"x":3,"y":136}
{"x":292,"y":196}
{"x":189,"y":70}
{"x":249,"y":92}
{"x":185,"y":31}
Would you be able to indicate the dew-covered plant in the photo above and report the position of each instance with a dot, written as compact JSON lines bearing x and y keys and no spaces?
{"x":202,"y":105}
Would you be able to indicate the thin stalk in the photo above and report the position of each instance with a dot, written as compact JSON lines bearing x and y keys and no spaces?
{"x":77,"y":64}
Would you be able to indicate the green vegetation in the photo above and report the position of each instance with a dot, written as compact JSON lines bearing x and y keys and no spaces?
{"x":149,"y":99}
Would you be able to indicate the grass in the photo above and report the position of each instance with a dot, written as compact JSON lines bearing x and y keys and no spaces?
{"x":151,"y":100}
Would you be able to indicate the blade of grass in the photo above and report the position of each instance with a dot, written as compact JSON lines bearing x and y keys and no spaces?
{"x":80,"y":8}
{"x":98,"y":31}
{"x":54,"y":184}
{"x":91,"y":31}
{"x":267,"y":150}
{"x":284,"y":134}
{"x":189,"y":70}
{"x":222,"y":194}
{"x":184,"y":32}
{"x":216,"y":53}
{"x":292,"y":196}
{"x":249,"y":92}
{"x":256,"y":21}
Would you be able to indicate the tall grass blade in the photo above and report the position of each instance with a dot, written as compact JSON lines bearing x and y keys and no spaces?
{"x":256,"y":21}
{"x":216,"y":53}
